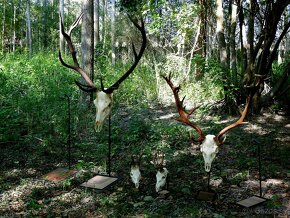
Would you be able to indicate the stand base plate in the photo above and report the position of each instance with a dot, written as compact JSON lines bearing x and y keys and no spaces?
{"x":100,"y":182}
{"x":59,"y":174}
{"x":206,"y":196}
{"x":252,"y":201}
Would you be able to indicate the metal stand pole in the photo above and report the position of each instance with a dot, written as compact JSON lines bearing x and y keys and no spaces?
{"x":69,"y":132}
{"x":260,"y":174}
{"x":255,"y":200}
{"x":208,"y":180}
{"x":109,"y":150}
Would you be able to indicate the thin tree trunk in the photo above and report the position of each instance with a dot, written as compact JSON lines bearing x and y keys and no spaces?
{"x":104,"y":12}
{"x":44,"y":20}
{"x":229,"y":101}
{"x":233,"y":54}
{"x":242,"y":44}
{"x":3,"y":26}
{"x":96,"y":22}
{"x":28,"y":26}
{"x":201,"y":40}
{"x":87,"y":44}
{"x":113,"y":40}
{"x":61,"y":39}
{"x":220,"y":33}
{"x":14,"y":28}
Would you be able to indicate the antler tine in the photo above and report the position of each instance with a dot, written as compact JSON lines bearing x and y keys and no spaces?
{"x":75,"y":23}
{"x":76,"y":67}
{"x":183,"y":114}
{"x":158,"y":159}
{"x":137,"y":57}
{"x":240,"y":121}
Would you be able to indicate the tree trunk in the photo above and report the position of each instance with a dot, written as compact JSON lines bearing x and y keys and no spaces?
{"x":201,"y":41}
{"x":3,"y":26}
{"x":61,"y":39}
{"x":104,"y":12}
{"x":233,"y":54}
{"x":242,"y":30}
{"x":266,"y":58}
{"x":44,"y":20}
{"x":96,"y":22}
{"x":87,"y":45}
{"x":14,"y":28}
{"x":113,"y":40}
{"x":230,"y":104}
{"x":28,"y":27}
{"x":220,"y":33}
{"x":277,"y":91}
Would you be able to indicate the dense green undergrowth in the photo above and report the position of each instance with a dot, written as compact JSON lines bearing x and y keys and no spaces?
{"x":34,"y":104}
{"x":33,"y":140}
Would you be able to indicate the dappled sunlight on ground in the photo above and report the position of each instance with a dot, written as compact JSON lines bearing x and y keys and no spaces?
{"x":234,"y":175}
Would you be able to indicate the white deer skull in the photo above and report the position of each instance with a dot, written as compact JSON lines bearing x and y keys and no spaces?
{"x":209,"y":143}
{"x":209,"y":149}
{"x":103,"y":104}
{"x":104,"y":97}
{"x":135,"y":173}
{"x":161,"y":176}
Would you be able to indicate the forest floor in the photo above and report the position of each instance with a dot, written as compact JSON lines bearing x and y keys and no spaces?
{"x":234,"y":176}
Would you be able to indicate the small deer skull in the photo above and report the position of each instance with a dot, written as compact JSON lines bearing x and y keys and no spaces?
{"x":209,"y":150}
{"x":162,"y":172}
{"x":103,"y":104}
{"x":161,"y":176}
{"x":135,"y":173}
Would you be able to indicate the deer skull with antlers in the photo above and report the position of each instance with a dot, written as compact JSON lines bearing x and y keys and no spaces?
{"x":162,"y":172}
{"x":135,"y":172}
{"x":209,"y":144}
{"x":103,"y":101}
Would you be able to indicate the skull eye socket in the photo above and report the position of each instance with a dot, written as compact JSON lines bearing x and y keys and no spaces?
{"x":163,"y":177}
{"x":106,"y":109}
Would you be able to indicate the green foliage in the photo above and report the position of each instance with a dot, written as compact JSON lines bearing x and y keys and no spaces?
{"x":33,"y":103}
{"x":132,"y":6}
{"x":84,"y":165}
{"x":241,"y":176}
{"x":172,"y":21}
{"x":274,"y":202}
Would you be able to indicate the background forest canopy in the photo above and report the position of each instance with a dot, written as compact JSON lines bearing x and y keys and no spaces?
{"x":212,"y":48}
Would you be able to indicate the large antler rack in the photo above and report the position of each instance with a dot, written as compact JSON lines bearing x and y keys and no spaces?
{"x":90,"y":86}
{"x":183,"y":114}
{"x":251,"y":90}
{"x":137,"y":57}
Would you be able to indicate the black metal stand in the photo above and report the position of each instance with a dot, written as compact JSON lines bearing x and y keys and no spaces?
{"x":103,"y":182}
{"x":109,"y":147}
{"x":69,"y":132}
{"x":255,"y":200}
{"x":207,"y":195}
{"x":61,"y":174}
